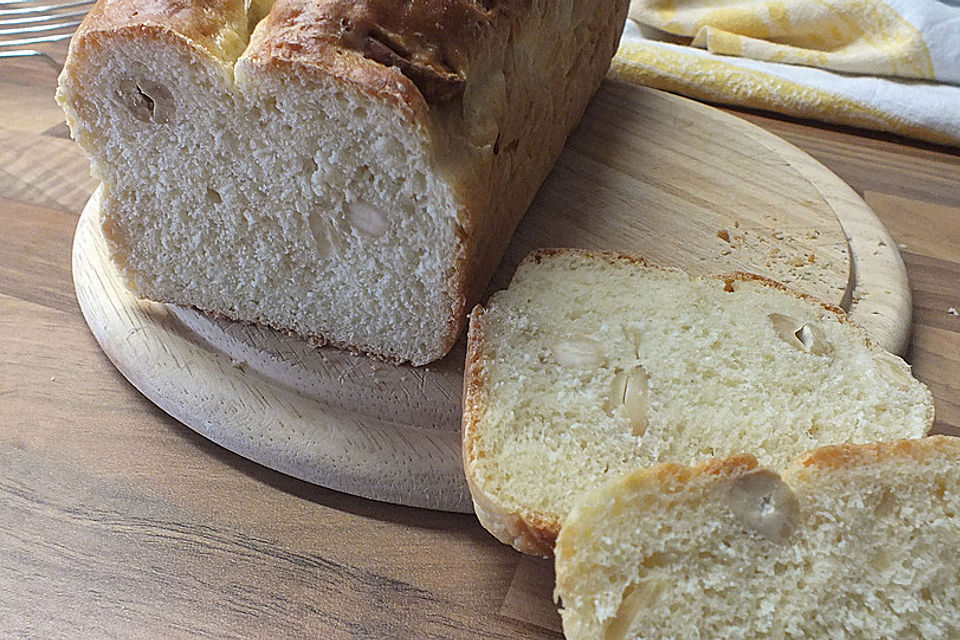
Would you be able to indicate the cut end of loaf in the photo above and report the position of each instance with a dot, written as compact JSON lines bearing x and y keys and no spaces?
{"x":863,"y":553}
{"x":592,"y":364}
{"x":305,"y":205}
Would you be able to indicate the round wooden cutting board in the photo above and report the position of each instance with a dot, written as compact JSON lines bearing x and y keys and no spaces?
{"x":646,"y":172}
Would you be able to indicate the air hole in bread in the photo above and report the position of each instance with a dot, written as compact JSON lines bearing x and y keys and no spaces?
{"x":146,"y":100}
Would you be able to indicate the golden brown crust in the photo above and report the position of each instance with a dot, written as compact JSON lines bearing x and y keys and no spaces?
{"x":527,"y":531}
{"x":612,"y":257}
{"x":410,"y":53}
{"x":851,"y":456}
{"x":742,"y":276}
{"x":663,"y":478}
{"x":670,"y":477}
{"x":297,"y":36}
{"x":474,"y":391}
{"x":505,"y":525}
{"x":218,"y":26}
{"x":194,"y":20}
{"x":430,"y":42}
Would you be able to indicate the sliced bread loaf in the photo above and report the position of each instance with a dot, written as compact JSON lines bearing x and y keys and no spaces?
{"x":593,"y":364}
{"x":350,"y":172}
{"x":854,"y":541}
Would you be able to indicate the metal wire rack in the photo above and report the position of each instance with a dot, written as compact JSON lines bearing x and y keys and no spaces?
{"x":25,"y":24}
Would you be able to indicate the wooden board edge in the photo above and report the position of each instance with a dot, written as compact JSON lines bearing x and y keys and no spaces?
{"x":278,"y":428}
{"x":879,"y":297}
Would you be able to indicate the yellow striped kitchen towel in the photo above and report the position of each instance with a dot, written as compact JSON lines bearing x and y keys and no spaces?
{"x":890,"y":65}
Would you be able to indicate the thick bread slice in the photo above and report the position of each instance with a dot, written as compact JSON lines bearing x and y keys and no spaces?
{"x":347,"y":171}
{"x":855,"y":541}
{"x":593,"y":364}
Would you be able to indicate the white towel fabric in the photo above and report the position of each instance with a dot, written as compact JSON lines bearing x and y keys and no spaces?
{"x":890,"y":65}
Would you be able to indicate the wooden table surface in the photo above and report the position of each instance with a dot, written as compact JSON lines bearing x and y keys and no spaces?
{"x":117,"y":521}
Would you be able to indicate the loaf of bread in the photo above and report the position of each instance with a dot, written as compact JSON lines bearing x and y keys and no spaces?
{"x":592,"y":364}
{"x":853,"y":541}
{"x":348,"y":171}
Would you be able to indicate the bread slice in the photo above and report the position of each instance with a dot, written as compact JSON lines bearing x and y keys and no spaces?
{"x":347,"y":171}
{"x":594,"y":364}
{"x":853,"y":541}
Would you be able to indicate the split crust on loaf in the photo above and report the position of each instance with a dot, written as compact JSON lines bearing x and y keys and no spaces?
{"x":632,"y":545}
{"x":528,"y":514}
{"x":443,"y":117}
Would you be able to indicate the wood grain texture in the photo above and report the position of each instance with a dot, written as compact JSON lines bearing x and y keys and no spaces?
{"x":118,"y":521}
{"x":31,"y":170}
{"x":870,"y":161}
{"x":129,"y":566}
{"x":911,"y":221}
{"x":155,"y":534}
{"x":393,"y":433}
{"x":687,"y":187}
{"x":26,"y":93}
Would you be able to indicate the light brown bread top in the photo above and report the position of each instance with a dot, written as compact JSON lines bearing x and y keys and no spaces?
{"x":430,"y":43}
{"x":412,"y":52}
{"x":219,"y":27}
